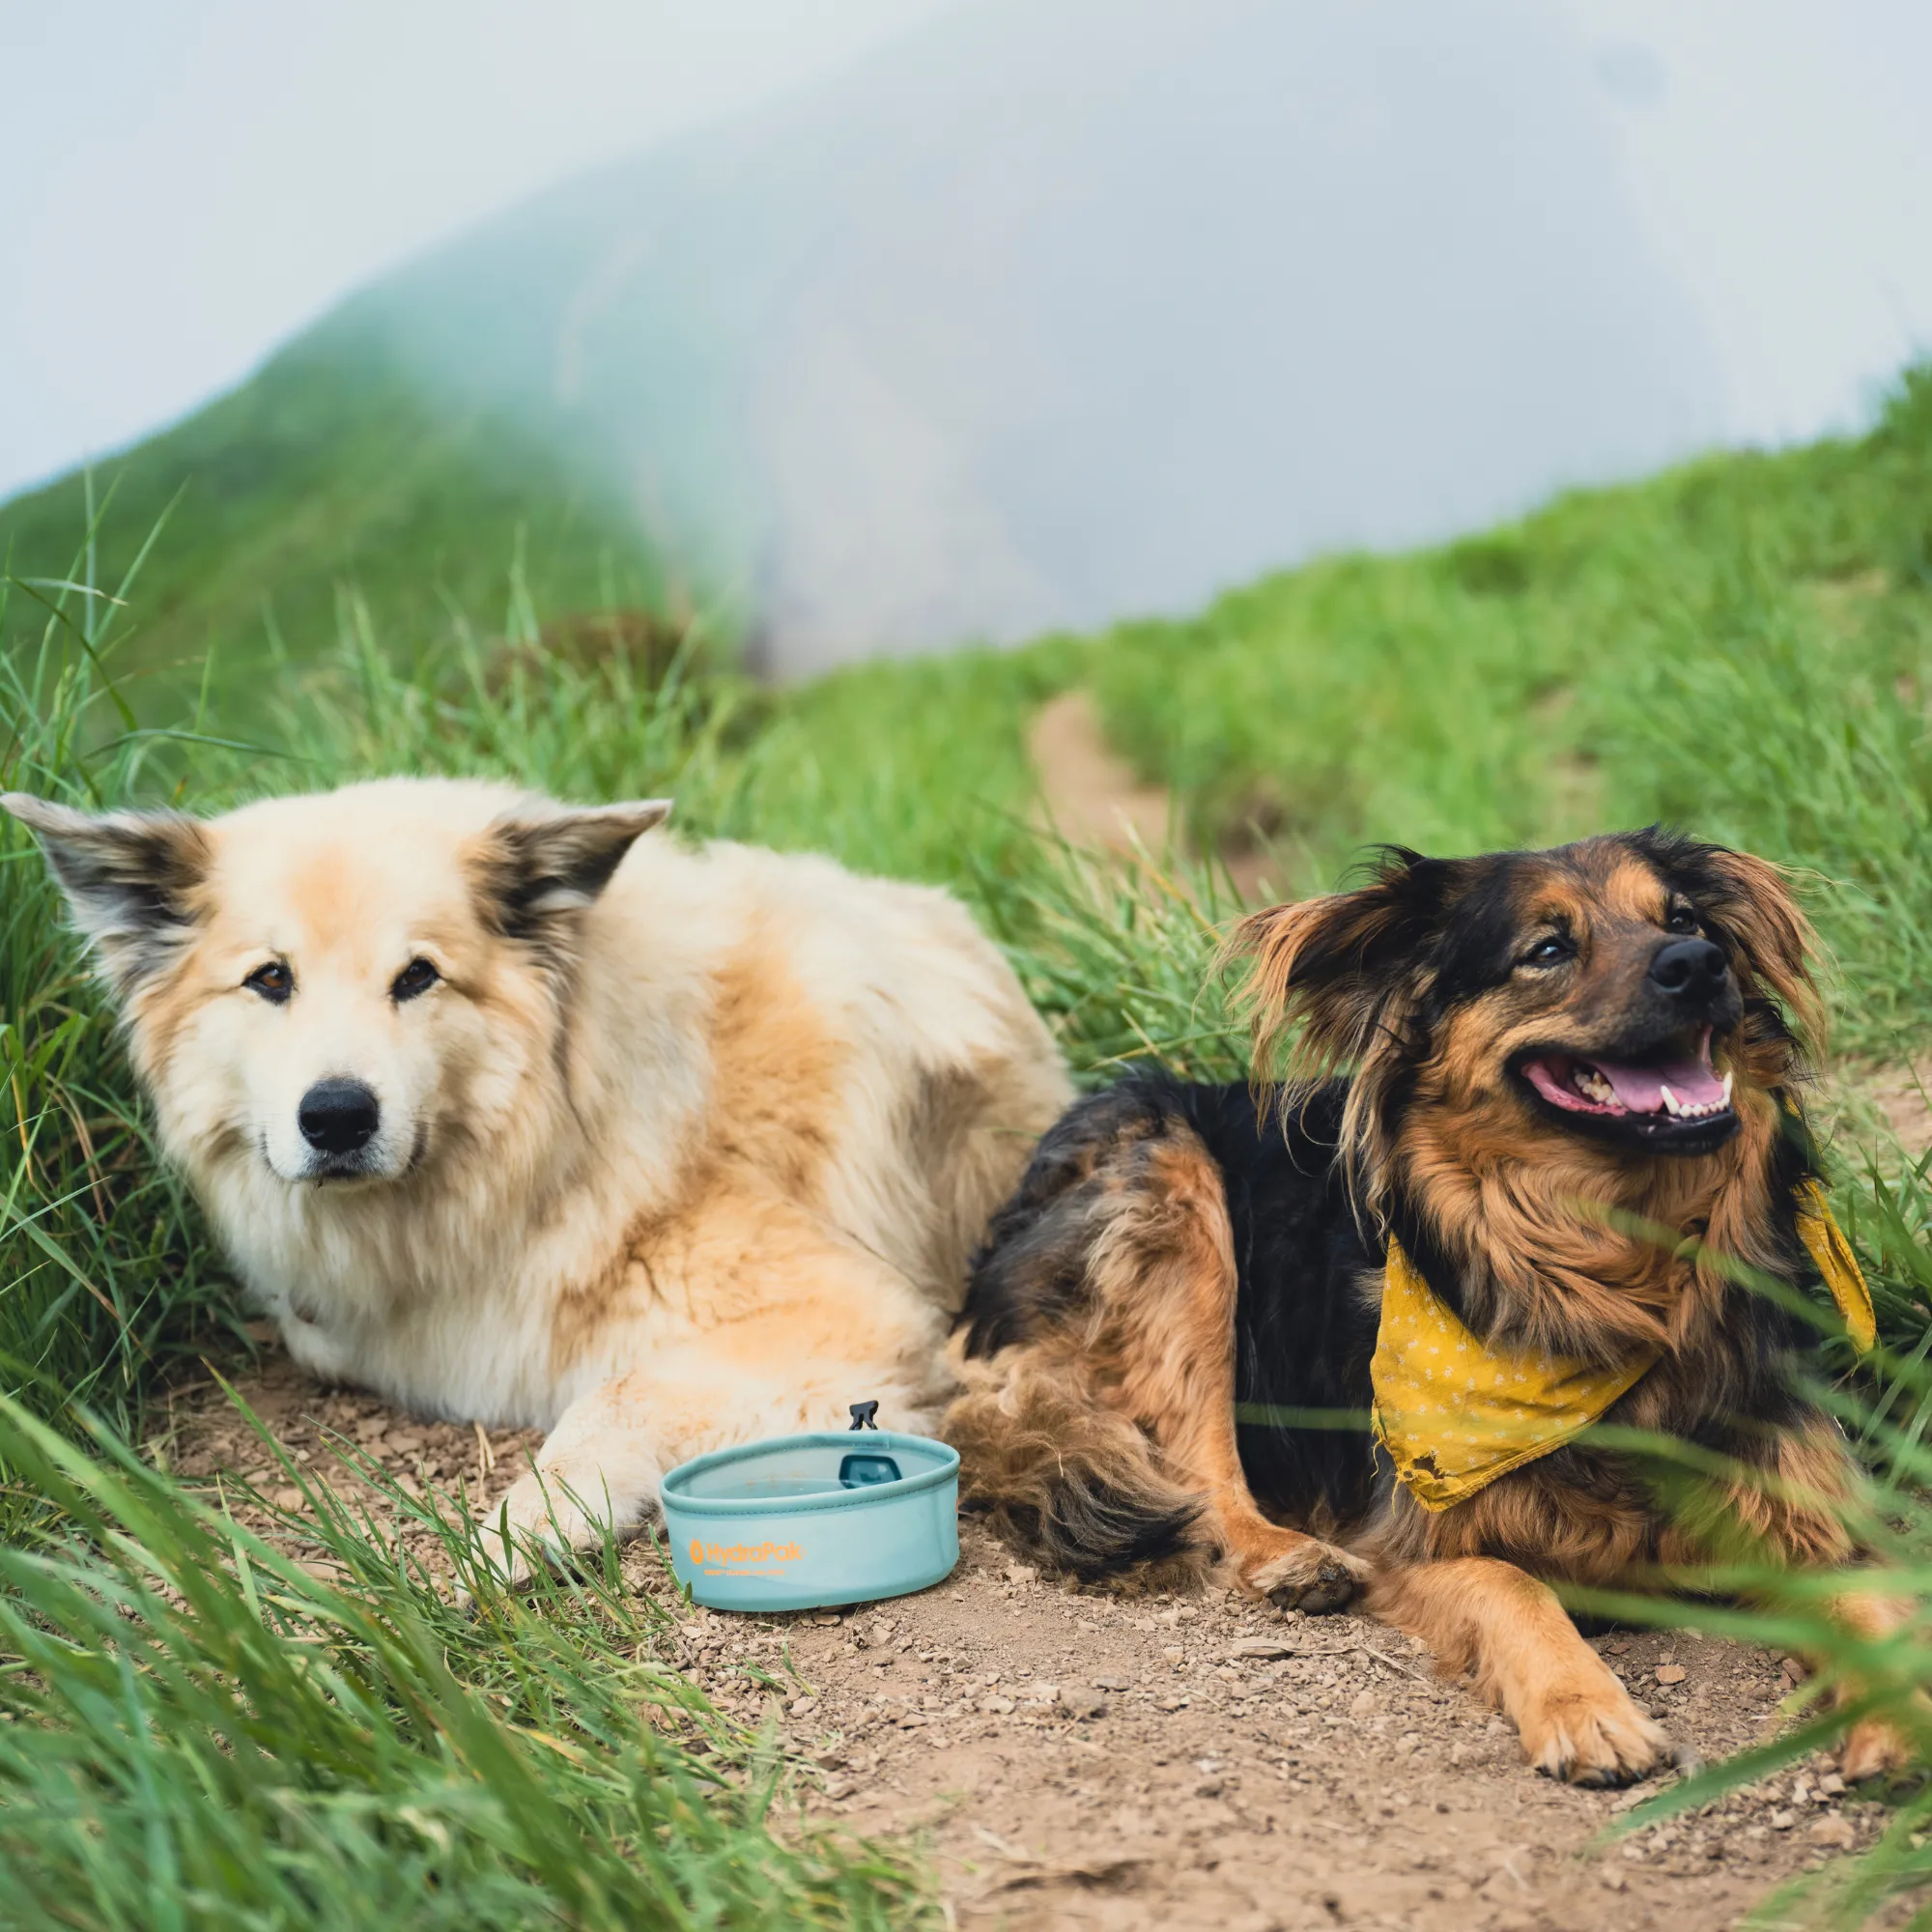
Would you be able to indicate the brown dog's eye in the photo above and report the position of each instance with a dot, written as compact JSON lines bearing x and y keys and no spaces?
{"x":273,"y":982}
{"x":1681,"y":918}
{"x":1551,"y":952}
{"x":417,"y":977}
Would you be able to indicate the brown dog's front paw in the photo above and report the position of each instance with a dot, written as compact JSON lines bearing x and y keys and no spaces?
{"x":1873,"y":1749}
{"x":1593,"y":1735}
{"x":1311,"y":1576}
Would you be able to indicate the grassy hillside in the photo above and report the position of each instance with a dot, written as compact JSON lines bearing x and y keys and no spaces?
{"x":1744,"y":646}
{"x":327,"y":468}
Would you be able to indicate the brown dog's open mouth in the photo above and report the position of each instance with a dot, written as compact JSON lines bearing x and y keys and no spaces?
{"x":1685,"y":1089}
{"x":1657,"y":1097}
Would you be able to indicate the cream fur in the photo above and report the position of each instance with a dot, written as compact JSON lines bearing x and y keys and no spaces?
{"x":714,"y":1176}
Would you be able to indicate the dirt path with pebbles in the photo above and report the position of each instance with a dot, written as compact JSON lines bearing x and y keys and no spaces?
{"x":1083,"y":1760}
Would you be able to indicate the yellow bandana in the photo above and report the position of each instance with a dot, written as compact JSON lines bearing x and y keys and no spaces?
{"x":1455,"y":1415}
{"x":1831,"y":1253}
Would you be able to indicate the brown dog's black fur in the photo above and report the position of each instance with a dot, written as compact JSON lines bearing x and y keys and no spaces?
{"x":1182,"y":1265}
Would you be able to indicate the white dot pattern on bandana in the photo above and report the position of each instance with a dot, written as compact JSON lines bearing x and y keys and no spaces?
{"x":1453,"y":1430}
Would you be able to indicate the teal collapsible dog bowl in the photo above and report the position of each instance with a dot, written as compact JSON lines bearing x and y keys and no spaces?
{"x":802,"y":1521}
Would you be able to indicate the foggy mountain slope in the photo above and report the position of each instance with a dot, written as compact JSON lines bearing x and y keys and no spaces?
{"x":1064,"y":309}
{"x":1295,"y":284}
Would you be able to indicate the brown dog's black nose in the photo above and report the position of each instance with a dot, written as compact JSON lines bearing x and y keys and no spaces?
{"x":1690,"y":969}
{"x":337,"y":1116}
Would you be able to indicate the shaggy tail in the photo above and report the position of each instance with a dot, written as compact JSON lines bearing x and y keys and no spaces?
{"x":1070,"y":1481}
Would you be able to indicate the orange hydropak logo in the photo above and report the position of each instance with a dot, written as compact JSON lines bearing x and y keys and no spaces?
{"x":743,"y":1559}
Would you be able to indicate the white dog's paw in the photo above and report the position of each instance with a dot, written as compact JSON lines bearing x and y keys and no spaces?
{"x":535,"y":1523}
{"x":507,"y":1566}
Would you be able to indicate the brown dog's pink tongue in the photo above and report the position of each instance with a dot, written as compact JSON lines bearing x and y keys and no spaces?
{"x":1640,"y":1089}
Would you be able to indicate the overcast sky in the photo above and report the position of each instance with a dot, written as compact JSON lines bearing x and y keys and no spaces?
{"x":1781,"y":153}
{"x":185,"y":183}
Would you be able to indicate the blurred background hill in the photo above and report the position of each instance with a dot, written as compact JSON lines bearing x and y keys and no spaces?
{"x":1042,"y":314}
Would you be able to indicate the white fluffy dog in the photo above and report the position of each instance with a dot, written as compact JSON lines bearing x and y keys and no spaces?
{"x":514,"y":1114}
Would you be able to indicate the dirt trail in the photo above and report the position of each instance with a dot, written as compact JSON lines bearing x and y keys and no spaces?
{"x":1089,"y":795}
{"x":1899,"y":1095}
{"x":1081,"y":1760}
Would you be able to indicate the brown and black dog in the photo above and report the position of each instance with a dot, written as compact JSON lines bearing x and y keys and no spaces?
{"x":1550,"y":1055}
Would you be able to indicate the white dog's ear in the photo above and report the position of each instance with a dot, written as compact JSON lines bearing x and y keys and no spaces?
{"x":132,"y":878}
{"x":540,"y":861}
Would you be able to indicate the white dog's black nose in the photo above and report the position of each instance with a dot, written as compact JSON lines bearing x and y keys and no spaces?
{"x":337,"y":1116}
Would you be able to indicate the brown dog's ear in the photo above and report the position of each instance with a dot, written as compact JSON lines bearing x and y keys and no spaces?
{"x":133,"y":880}
{"x":1336,"y":966}
{"x":1751,"y":899}
{"x":544,"y":860}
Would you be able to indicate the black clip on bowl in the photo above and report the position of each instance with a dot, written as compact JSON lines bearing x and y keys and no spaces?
{"x":862,"y":1471}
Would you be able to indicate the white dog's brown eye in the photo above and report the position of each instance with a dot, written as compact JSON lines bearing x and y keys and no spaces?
{"x":273,"y":982}
{"x":417,"y":977}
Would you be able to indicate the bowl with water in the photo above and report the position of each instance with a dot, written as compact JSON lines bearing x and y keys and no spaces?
{"x":806,"y":1522}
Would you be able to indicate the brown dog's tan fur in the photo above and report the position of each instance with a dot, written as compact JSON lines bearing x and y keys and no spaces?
{"x":1144,"y":1387}
{"x":1164,"y":1288}
{"x":1514,"y":1641}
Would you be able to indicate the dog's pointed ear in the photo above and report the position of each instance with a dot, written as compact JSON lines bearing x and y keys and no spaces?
{"x":132,"y":879}
{"x":1331,"y":967}
{"x":542,"y":861}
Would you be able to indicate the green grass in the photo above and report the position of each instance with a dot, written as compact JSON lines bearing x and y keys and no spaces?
{"x":107,"y":1269}
{"x":1743,"y":646}
{"x":199,"y":1731}
{"x":326,"y":468}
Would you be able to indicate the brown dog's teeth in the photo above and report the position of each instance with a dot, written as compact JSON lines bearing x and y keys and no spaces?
{"x":1592,"y":1084}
